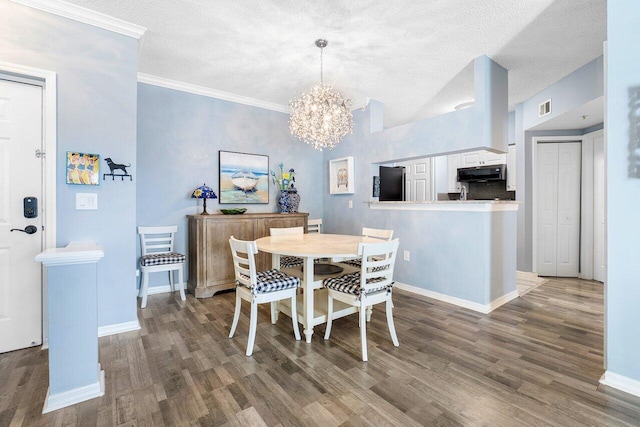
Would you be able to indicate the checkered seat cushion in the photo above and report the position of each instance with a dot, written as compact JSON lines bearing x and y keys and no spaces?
{"x":290,"y":261}
{"x":353,"y":262}
{"x":350,"y":284}
{"x":273,"y":280}
{"x":162,"y":258}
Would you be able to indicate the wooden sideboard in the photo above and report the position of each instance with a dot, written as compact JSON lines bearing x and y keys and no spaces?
{"x":210,"y":263}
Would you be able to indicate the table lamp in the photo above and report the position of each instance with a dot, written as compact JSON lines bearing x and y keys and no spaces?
{"x":203,"y":192}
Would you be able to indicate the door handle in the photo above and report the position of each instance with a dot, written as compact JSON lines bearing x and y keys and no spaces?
{"x":29,"y":229}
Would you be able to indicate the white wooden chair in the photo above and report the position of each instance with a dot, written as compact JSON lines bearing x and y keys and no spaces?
{"x":378,"y":261}
{"x":367,"y":232}
{"x":288,"y":261}
{"x":314,"y":226}
{"x":259,"y":287}
{"x":156,"y":245}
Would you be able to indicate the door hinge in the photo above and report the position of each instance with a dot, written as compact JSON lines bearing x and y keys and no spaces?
{"x":40,"y":153}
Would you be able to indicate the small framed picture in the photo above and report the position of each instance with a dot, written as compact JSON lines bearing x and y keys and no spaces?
{"x":244,"y":178}
{"x":83,"y":168}
{"x":341,"y":177}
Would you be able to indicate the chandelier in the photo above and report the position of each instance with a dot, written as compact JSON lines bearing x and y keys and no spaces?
{"x":322,"y":116}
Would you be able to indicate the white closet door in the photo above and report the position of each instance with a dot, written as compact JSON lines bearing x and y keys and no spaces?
{"x":599,"y":177}
{"x":568,"y":252}
{"x":547,"y":190}
{"x":558,"y":198}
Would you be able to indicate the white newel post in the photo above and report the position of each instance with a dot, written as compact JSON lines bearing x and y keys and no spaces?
{"x":72,"y":279}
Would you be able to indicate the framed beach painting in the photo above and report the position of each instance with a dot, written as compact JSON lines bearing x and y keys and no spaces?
{"x":341,"y":176}
{"x":244,"y":178}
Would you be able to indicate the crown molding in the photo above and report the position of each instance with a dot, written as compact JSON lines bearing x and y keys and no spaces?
{"x":361,"y":103}
{"x":87,"y":16}
{"x":212,"y":93}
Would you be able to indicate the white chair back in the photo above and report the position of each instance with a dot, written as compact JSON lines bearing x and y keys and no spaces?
{"x":377,"y":233}
{"x":244,"y":264}
{"x":378,"y":260}
{"x":286,"y":231}
{"x":157,"y":240}
{"x":314,"y":226}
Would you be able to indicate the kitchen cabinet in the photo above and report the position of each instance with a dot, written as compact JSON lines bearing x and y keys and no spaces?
{"x":453,"y":163}
{"x":210,"y":262}
{"x":511,"y":168}
{"x":481,"y":158}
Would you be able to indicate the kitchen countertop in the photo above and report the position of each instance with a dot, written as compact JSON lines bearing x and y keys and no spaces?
{"x":450,"y":205}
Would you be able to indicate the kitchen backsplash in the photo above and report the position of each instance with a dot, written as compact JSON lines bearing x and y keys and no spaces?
{"x":486,"y":191}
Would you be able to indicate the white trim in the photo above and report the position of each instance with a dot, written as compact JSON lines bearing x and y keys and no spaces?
{"x":76,"y":395}
{"x":626,"y":384}
{"x":86,"y":16}
{"x":212,"y":93}
{"x":49,"y":145}
{"x":163,"y":289}
{"x":481,"y":308}
{"x":118,"y":328}
{"x":449,"y":206}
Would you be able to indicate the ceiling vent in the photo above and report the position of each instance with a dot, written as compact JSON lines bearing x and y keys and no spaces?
{"x":544,"y":108}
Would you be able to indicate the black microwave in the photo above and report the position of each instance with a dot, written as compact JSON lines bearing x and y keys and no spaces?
{"x":483,"y":173}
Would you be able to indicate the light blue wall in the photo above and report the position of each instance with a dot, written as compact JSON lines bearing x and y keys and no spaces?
{"x":583,"y":85}
{"x":623,"y":204}
{"x":433,"y":266}
{"x":96,"y":76}
{"x":179,"y":135}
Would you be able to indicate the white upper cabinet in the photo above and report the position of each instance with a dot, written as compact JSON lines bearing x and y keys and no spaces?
{"x":511,"y":168}
{"x":481,"y":158}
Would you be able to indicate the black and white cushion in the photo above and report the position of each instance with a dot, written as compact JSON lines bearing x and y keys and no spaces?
{"x":350,"y":284}
{"x":353,"y":262}
{"x":290,"y":261}
{"x":162,"y":259}
{"x":273,"y":280}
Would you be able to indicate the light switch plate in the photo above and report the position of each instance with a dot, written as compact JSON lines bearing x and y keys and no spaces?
{"x":86,"y":201}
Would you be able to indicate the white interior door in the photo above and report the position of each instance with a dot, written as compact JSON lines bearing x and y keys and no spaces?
{"x":20,"y":177}
{"x":418,"y":187}
{"x":558,"y":200}
{"x":599,"y":185}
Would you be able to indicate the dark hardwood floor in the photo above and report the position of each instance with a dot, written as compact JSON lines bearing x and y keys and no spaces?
{"x":534,"y":361}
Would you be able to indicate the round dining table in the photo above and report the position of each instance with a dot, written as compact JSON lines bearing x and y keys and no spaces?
{"x":310,"y":247}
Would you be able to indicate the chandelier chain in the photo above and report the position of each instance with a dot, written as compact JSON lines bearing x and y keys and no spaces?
{"x":321,"y":67}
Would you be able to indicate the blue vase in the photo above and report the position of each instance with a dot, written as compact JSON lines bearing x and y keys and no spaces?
{"x":288,"y":201}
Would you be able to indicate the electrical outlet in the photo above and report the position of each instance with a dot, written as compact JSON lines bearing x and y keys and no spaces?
{"x":350,"y":204}
{"x":406,"y":256}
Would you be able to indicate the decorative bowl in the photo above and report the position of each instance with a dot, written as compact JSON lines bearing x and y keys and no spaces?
{"x":235,"y":211}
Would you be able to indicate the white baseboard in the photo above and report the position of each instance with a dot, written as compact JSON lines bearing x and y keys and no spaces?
{"x":481,"y":308}
{"x":163,"y":289}
{"x":118,"y":328}
{"x":626,"y":384}
{"x":76,"y":395}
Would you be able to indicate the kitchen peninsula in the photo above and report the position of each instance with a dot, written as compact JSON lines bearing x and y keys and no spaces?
{"x":461,"y":252}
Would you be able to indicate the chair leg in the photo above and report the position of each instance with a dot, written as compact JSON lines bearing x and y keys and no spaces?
{"x":274,"y":312}
{"x":236,"y":314}
{"x":144,"y":289}
{"x":171,"y":283}
{"x":369,"y":313}
{"x":181,"y":282}
{"x":392,"y":328}
{"x":253,"y":321}
{"x":327,"y":332}
{"x":363,"y":332}
{"x":294,"y":318}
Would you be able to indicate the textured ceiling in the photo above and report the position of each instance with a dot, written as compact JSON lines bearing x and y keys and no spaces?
{"x":413,"y":56}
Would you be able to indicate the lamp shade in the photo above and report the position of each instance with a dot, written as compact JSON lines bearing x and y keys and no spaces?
{"x":204,"y":192}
